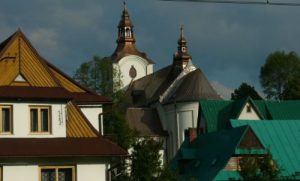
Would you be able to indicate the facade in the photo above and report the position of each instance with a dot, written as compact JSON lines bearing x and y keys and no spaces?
{"x":129,"y":63}
{"x":50,"y":126}
{"x":233,"y":129}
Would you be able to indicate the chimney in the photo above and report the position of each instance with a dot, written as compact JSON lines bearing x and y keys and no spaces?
{"x":192,"y":134}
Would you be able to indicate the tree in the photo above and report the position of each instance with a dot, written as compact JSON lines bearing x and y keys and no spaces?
{"x":259,"y":168}
{"x":99,"y":75}
{"x":280,"y":74}
{"x":146,"y":164}
{"x":245,"y":90}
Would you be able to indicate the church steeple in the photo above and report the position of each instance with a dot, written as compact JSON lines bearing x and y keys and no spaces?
{"x":125,"y":28}
{"x":181,"y":57}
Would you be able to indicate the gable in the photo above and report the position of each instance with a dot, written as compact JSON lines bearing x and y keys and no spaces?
{"x":248,"y":112}
{"x":281,"y":137}
{"x":250,"y":141}
{"x":19,"y":57}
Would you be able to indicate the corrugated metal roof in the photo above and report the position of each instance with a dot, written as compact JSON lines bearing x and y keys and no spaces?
{"x":218,"y":112}
{"x":209,"y":154}
{"x":282,"y":137}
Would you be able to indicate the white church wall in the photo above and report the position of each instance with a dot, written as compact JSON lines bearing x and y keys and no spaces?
{"x":125,"y":65}
{"x":21,"y":120}
{"x":186,"y":117}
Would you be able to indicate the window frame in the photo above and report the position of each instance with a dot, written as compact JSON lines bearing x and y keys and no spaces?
{"x":1,"y":173}
{"x":10,"y":107}
{"x":39,"y":119}
{"x":56,"y":168}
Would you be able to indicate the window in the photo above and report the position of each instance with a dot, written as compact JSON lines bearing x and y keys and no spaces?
{"x":61,"y":173}
{"x":6,"y":119}
{"x":248,"y":109}
{"x":40,"y":119}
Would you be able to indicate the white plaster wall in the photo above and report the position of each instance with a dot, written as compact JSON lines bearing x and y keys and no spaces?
{"x":92,"y":114}
{"x":186,"y":117}
{"x":21,"y":173}
{"x":91,"y":172}
{"x":139,"y":64}
{"x":248,"y":115}
{"x":21,"y":120}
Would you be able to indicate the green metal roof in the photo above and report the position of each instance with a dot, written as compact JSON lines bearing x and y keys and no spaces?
{"x":209,"y":154}
{"x":282,"y":137}
{"x":217,"y":113}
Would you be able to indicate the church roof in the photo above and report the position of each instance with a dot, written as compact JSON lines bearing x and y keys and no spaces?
{"x":145,"y":121}
{"x":192,"y":87}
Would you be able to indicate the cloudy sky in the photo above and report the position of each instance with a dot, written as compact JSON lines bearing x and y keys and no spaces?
{"x":228,"y":42}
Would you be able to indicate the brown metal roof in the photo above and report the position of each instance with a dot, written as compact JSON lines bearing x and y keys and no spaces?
{"x":12,"y":92}
{"x":56,"y":147}
{"x":89,"y":98}
{"x":146,"y":121}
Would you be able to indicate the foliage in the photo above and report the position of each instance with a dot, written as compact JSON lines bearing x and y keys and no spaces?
{"x":244,"y":91}
{"x":280,"y":74}
{"x":100,"y":76}
{"x":117,"y":127}
{"x":259,"y":168}
{"x":146,"y":162}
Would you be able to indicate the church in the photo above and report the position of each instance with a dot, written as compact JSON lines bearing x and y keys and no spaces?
{"x":164,"y":103}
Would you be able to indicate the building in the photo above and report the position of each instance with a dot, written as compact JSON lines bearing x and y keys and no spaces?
{"x":174,"y":93}
{"x":234,"y":129}
{"x":129,"y":63}
{"x":50,"y":126}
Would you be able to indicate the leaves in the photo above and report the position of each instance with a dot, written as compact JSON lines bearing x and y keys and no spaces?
{"x":280,"y":74}
{"x":245,"y":91}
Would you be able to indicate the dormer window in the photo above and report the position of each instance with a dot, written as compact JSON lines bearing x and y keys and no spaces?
{"x":5,"y":119}
{"x":248,"y":109}
{"x":40,"y":119}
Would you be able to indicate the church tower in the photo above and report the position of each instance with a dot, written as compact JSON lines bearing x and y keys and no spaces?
{"x":129,"y":63}
{"x":181,"y":58}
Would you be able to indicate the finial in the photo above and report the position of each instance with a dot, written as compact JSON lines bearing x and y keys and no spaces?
{"x":181,"y":31}
{"x":125,"y":5}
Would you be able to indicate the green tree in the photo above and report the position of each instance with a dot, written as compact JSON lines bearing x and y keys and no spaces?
{"x":259,"y":168}
{"x":146,"y":164}
{"x":280,"y":74}
{"x":99,"y":75}
{"x":244,"y":91}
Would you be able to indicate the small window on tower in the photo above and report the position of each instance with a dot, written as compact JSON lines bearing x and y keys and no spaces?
{"x":127,"y":32}
{"x":249,"y":110}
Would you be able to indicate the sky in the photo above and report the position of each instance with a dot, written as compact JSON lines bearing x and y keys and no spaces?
{"x":228,"y":42}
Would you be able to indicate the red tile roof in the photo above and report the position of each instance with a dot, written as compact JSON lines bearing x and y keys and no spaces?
{"x":58,"y":147}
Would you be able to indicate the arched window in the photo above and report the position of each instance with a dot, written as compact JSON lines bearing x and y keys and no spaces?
{"x":127,"y":32}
